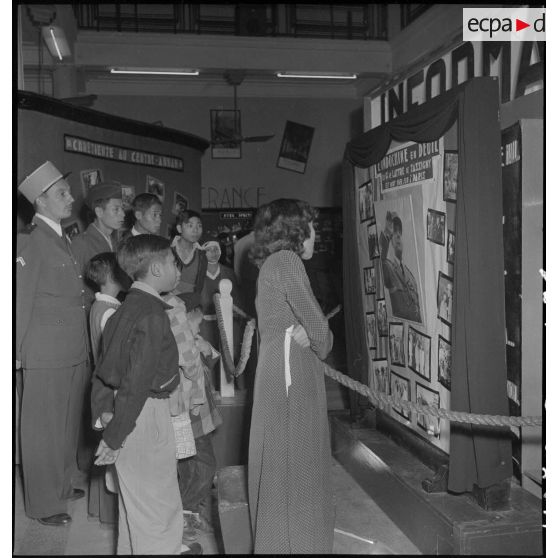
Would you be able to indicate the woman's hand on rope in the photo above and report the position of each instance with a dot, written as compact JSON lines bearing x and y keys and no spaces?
{"x":300,"y":336}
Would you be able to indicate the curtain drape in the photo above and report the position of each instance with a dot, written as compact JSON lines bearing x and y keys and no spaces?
{"x":478,"y":455}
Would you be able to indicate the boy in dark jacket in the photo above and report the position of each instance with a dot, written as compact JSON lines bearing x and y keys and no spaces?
{"x":136,"y":372}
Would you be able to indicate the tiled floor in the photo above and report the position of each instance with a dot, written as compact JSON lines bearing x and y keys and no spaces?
{"x":358,"y":520}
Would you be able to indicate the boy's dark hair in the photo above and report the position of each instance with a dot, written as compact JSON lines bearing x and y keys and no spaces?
{"x":137,"y":253}
{"x":102,"y":266}
{"x":283,"y":224}
{"x":142,"y":202}
{"x":185,"y":215}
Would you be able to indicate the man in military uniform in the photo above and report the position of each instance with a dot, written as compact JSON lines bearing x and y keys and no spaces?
{"x":105,"y":200}
{"x":398,"y":278}
{"x":51,"y":347}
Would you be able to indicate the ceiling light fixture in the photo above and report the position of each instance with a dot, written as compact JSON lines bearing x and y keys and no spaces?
{"x":316,"y":75}
{"x":56,"y":41}
{"x":156,"y":72}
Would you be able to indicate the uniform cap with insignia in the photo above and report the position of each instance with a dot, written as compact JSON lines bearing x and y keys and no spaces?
{"x":40,"y":180}
{"x":103,"y":191}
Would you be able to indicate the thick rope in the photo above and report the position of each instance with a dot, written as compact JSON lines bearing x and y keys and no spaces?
{"x":454,"y":416}
{"x":377,"y":397}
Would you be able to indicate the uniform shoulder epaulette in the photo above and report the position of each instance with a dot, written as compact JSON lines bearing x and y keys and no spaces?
{"x":28,"y":229}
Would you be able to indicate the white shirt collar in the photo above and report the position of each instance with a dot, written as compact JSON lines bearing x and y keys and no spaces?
{"x":135,"y":232}
{"x":213,"y":275}
{"x":146,"y":289}
{"x":57,"y":227}
{"x":107,"y":298}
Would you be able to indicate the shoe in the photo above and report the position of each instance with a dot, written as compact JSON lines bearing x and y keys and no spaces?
{"x":76,"y":494}
{"x":201,"y":524}
{"x":189,"y":532}
{"x":192,"y":548}
{"x":58,"y":520}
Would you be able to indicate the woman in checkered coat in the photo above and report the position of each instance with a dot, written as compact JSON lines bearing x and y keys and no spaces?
{"x":289,"y":466}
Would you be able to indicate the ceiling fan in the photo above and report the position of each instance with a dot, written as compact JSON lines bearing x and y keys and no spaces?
{"x":226,"y":127}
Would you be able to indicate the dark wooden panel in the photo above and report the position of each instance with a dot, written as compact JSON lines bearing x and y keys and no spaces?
{"x":230,"y":440}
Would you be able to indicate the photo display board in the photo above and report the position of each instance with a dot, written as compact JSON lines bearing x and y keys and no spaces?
{"x":406,"y":240}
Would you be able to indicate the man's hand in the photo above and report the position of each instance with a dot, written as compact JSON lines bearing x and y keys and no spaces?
{"x":300,"y":336}
{"x":105,"y":418}
{"x":105,"y":455}
{"x":17,"y":364}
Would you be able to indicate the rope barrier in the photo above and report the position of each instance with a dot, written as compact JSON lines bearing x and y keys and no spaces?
{"x":373,"y":395}
{"x":454,"y":416}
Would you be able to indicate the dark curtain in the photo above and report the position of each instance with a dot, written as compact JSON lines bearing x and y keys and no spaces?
{"x":478,"y":455}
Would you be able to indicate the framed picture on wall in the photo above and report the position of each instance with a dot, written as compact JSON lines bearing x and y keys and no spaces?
{"x":381,"y":317}
{"x":371,"y":329}
{"x":451,"y":247}
{"x":380,"y":374}
{"x":365,"y":202}
{"x":155,"y":186}
{"x":397,"y":343}
{"x":128,"y":195}
{"x":450,"y":175}
{"x":89,"y":178}
{"x":436,"y":227}
{"x":369,"y":280}
{"x":418,"y":352}
{"x":295,"y":147}
{"x":400,"y":388}
{"x":427,"y":396}
{"x":444,"y":362}
{"x":445,"y":297}
{"x":180,"y":203}
{"x":373,"y":248}
{"x":225,"y":134}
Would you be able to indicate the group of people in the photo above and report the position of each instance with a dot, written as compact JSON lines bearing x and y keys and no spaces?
{"x":134,"y":308}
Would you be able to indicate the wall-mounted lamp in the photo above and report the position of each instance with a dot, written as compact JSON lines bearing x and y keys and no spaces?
{"x":157,"y":71}
{"x":316,"y":75}
{"x":56,"y":41}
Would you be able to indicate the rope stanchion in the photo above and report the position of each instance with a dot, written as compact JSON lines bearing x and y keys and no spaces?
{"x":226,"y":352}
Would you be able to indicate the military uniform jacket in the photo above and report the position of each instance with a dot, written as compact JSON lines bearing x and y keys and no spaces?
{"x":85,"y":246}
{"x":88,"y":244}
{"x":51,"y":326}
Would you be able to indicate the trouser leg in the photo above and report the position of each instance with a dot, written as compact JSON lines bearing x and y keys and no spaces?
{"x":196,"y":473}
{"x":48,"y":439}
{"x":146,"y":469}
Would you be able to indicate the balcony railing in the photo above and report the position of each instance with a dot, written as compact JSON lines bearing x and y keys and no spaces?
{"x":328,"y":21}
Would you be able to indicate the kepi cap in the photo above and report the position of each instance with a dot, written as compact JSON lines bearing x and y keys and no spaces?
{"x":103,"y":191}
{"x":40,"y":180}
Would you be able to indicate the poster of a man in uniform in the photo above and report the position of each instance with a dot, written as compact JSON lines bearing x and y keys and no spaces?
{"x":400,"y":249}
